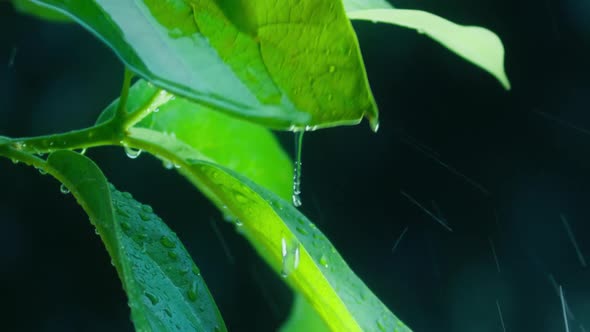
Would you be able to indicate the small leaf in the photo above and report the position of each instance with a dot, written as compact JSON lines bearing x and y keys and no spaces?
{"x":287,"y":240}
{"x":292,"y":65}
{"x":165,"y":289}
{"x":475,"y":44}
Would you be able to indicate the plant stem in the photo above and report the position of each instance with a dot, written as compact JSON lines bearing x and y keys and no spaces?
{"x":122,"y":106}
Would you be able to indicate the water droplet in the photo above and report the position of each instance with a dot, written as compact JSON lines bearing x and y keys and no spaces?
{"x":381,"y":324}
{"x":147,"y":208}
{"x":332,"y":69}
{"x":168,"y":312}
{"x":290,"y":256}
{"x":238,"y":223}
{"x":63,"y":189}
{"x":42,"y":171}
{"x":144,"y":216}
{"x":127,"y":195}
{"x":125,"y":226}
{"x":14,"y":161}
{"x":324,"y":261}
{"x":167,"y":242}
{"x":193,"y":291}
{"x":301,"y":230}
{"x":156,"y":110}
{"x":240,"y":198}
{"x":83,"y":151}
{"x":167,"y":164}
{"x":153,"y":298}
{"x":132,"y":153}
{"x":172,"y":255}
{"x":297,"y":171}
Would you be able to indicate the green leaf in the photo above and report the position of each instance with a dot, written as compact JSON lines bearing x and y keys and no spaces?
{"x":303,"y":317}
{"x":291,"y":66}
{"x":353,"y":5}
{"x":165,"y":288}
{"x":287,"y":240}
{"x":477,"y":45}
{"x":243,"y":146}
{"x":30,"y":8}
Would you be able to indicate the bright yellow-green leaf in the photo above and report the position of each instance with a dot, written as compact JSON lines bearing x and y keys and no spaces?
{"x":475,"y":44}
{"x":293,"y":64}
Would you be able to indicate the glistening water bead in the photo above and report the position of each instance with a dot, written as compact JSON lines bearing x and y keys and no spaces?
{"x":132,"y":153}
{"x":297,"y":171}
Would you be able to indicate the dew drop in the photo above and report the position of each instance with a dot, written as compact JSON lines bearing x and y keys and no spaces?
{"x":324,"y":261}
{"x":63,"y":189}
{"x":83,"y":151}
{"x":297,"y":171}
{"x":196,"y":270}
{"x":42,"y":171}
{"x":301,"y":230}
{"x":132,"y":153}
{"x":193,"y":291}
{"x":144,"y":216}
{"x":167,"y":242}
{"x":153,"y":298}
{"x":172,"y":255}
{"x":332,"y":69}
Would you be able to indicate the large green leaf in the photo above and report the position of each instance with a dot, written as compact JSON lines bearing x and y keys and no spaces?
{"x":292,"y":65}
{"x":475,"y":44}
{"x":165,"y":288}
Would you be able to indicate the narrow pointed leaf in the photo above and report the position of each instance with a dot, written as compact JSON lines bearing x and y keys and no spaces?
{"x":286,"y":239}
{"x":477,"y":45}
{"x":291,"y":65}
{"x":165,"y":289}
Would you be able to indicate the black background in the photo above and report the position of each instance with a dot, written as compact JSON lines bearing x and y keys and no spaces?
{"x":527,"y":150}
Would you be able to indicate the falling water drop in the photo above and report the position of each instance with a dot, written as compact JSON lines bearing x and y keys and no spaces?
{"x":297,"y":171}
{"x":63,"y":189}
{"x":132,"y":153}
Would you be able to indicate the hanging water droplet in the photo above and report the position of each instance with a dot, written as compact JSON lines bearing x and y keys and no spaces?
{"x":196,"y":270}
{"x":132,"y":153}
{"x":42,"y":171}
{"x":156,"y":110}
{"x":167,"y":164}
{"x":297,"y":171}
{"x":63,"y":189}
{"x":238,"y":223}
{"x":167,"y":242}
{"x":83,"y":151}
{"x":193,"y":291}
{"x":290,"y":256}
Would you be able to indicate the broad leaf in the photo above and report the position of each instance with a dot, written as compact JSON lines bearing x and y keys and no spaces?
{"x":165,"y":288}
{"x":290,"y":65}
{"x":475,"y":44}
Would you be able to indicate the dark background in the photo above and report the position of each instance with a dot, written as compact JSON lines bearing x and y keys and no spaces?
{"x":525,"y":152}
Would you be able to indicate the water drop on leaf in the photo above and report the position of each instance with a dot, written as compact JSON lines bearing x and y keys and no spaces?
{"x":132,"y":153}
{"x":167,"y":242}
{"x":63,"y":189}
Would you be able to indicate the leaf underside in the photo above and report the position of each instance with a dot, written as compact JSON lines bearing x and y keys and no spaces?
{"x":165,"y":289}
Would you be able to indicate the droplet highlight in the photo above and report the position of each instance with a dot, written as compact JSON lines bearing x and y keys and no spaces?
{"x":290,"y":256}
{"x":63,"y":189}
{"x":132,"y":153}
{"x":297,"y":170}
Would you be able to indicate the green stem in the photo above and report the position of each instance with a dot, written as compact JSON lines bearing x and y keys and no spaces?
{"x":122,"y":106}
